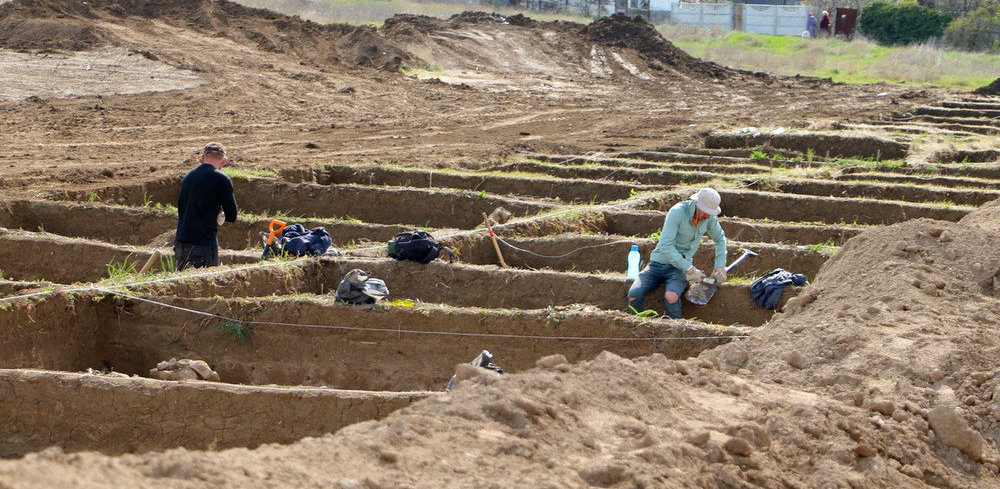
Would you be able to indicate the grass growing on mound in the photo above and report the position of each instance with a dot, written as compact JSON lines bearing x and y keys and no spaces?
{"x":858,"y":61}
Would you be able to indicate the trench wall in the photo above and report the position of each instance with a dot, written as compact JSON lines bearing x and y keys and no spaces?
{"x":382,"y":205}
{"x":378,"y":360}
{"x":642,"y":223}
{"x":604,"y":257}
{"x":128,"y":415}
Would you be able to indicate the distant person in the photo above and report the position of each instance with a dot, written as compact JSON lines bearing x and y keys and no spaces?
{"x":811,"y":25}
{"x":204,"y":192}
{"x":670,"y":262}
{"x":824,"y":24}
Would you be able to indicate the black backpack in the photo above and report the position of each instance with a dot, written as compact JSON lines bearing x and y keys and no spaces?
{"x":416,"y":246}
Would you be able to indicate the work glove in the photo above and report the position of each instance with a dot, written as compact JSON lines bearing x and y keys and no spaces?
{"x":694,"y":275}
{"x":719,"y":274}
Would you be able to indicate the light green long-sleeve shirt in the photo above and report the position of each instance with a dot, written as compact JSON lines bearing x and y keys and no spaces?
{"x":679,"y":239}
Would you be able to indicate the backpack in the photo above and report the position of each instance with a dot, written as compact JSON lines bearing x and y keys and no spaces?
{"x":416,"y":246}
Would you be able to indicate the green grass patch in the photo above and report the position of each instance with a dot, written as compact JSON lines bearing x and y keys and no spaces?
{"x":239,"y":332}
{"x":247,"y":173}
{"x":857,"y":61}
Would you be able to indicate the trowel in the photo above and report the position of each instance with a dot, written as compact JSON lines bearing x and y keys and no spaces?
{"x":700,"y":293}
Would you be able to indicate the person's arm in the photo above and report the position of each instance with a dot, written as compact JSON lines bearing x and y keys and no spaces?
{"x":668,"y":239}
{"x":719,"y":237}
{"x":228,"y":198}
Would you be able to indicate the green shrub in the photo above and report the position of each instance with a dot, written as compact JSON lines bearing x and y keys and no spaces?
{"x":905,"y":22}
{"x":978,"y":30}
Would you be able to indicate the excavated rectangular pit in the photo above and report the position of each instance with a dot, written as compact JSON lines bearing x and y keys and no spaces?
{"x":600,"y":254}
{"x":466,"y":286}
{"x":115,"y":415}
{"x":657,"y":177}
{"x":397,"y":348}
{"x":807,"y":208}
{"x":941,"y":181}
{"x":824,"y":144}
{"x":495,"y":183}
{"x":383,"y":205}
{"x":644,"y":223}
{"x":649,"y":160}
{"x":150,"y":226}
{"x":889,"y":191}
{"x":49,"y":257}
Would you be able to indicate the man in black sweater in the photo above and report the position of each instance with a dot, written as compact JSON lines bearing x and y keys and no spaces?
{"x":204,"y":192}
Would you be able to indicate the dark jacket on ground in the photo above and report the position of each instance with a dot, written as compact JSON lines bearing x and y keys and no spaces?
{"x":204,"y":191}
{"x":766,"y":291}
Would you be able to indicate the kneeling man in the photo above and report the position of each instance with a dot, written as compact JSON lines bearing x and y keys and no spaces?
{"x":670,"y":262}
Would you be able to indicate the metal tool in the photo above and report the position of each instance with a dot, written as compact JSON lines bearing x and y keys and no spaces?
{"x":700,"y":293}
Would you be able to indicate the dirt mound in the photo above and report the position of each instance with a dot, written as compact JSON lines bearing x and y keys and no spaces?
{"x":986,"y":217}
{"x":620,"y":30}
{"x":902,"y":320}
{"x":27,"y":24}
{"x":991,"y":89}
{"x":20,"y":33}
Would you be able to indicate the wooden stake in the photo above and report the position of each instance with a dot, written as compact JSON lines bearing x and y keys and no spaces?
{"x":149,"y":263}
{"x":493,"y":237}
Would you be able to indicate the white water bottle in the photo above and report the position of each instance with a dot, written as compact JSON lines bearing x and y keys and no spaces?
{"x":633,"y":263}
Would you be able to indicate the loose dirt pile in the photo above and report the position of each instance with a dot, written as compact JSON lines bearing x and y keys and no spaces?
{"x":991,"y":89}
{"x":901,"y":322}
{"x":635,"y":33}
{"x":34,"y":24}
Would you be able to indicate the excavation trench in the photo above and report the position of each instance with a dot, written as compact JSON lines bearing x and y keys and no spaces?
{"x":887,"y":191}
{"x":823,"y":144}
{"x":465,"y":285}
{"x":149,"y":226}
{"x":382,"y":205}
{"x":595,"y":253}
{"x":35,"y":257}
{"x":654,"y":177}
{"x":661,"y":161}
{"x":971,"y":105}
{"x":643,"y":223}
{"x":808,"y":208}
{"x":115,"y":415}
{"x":75,"y":333}
{"x":922,"y":180}
{"x":971,"y":170}
{"x":387,"y":348}
{"x":492,"y":183}
{"x":954,"y":112}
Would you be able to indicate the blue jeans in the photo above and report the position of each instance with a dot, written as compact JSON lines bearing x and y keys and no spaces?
{"x":653,"y":276}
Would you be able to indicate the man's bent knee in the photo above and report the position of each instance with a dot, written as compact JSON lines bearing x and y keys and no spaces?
{"x":671,"y":297}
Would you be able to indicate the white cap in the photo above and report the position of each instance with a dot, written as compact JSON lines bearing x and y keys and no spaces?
{"x":708,"y":201}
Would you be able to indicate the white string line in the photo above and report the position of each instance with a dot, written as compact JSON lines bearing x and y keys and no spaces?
{"x":413,"y":331}
{"x":564,"y":255}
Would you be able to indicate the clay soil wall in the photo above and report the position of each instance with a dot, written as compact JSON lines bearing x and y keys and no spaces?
{"x":116,"y":415}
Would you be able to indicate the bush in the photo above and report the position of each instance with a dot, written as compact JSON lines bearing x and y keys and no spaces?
{"x":978,"y":30}
{"x":901,"y":23}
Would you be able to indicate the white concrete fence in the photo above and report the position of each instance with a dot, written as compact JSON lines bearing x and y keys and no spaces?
{"x":779,"y":20}
{"x":704,"y":14}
